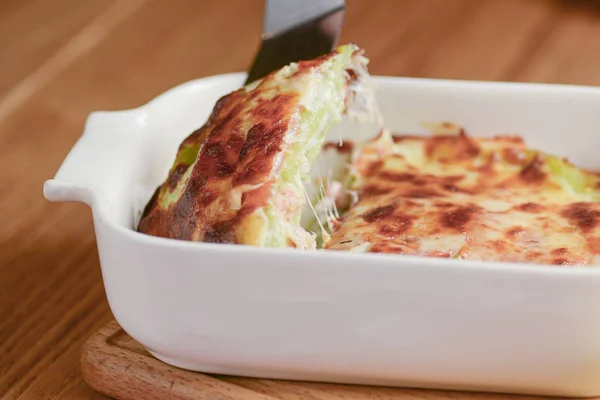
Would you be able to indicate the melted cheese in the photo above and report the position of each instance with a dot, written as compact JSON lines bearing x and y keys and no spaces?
{"x":239,"y":177}
{"x":451,"y":195}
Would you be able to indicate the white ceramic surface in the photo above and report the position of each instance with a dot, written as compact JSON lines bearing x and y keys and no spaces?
{"x":331,"y":316}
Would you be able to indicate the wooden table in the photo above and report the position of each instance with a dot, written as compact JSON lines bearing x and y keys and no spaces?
{"x":62,"y":59}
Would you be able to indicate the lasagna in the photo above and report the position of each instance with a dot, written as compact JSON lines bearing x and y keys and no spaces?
{"x":240,"y":177}
{"x":455,"y":196}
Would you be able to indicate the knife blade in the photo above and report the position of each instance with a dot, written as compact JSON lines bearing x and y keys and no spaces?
{"x":295,"y":30}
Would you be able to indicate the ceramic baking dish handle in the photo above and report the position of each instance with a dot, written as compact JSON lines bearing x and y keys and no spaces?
{"x":96,"y":162}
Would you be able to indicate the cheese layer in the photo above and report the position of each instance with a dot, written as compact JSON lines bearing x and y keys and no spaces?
{"x":239,"y":178}
{"x":452,"y":195}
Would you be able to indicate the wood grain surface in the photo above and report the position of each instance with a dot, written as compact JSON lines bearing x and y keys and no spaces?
{"x":62,"y":59}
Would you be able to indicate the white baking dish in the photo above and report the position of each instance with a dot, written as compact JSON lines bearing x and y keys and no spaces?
{"x":341,"y":317}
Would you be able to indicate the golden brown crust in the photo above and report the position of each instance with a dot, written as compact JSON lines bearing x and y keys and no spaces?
{"x":243,"y":137}
{"x":488,"y":199}
{"x":223,"y":185}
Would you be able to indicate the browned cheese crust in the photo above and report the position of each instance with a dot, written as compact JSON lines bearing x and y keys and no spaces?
{"x":456,"y":196}
{"x":239,"y":150}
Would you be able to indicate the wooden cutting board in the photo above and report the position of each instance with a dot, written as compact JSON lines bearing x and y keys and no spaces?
{"x":114,"y":364}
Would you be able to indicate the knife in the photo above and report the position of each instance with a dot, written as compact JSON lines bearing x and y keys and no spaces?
{"x":295,"y":30}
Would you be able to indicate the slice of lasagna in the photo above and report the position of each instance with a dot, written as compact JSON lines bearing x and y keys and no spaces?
{"x":451,"y":195}
{"x":239,"y":178}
